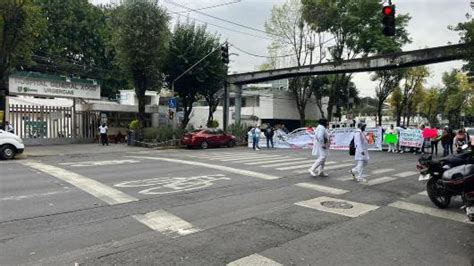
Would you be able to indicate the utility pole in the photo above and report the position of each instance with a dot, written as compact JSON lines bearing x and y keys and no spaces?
{"x":225,"y":105}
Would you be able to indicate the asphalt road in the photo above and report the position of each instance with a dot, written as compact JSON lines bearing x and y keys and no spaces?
{"x":223,"y":206}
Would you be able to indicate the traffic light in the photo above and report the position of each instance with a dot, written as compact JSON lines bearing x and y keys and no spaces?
{"x":225,"y":53}
{"x":388,"y":20}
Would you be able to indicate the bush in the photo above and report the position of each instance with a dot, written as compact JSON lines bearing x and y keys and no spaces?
{"x":239,"y":131}
{"x":134,"y":124}
{"x":310,"y":123}
{"x":161,"y":134}
{"x":213,"y":124}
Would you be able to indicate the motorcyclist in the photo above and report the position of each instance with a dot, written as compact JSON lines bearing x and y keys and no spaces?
{"x":459,"y":140}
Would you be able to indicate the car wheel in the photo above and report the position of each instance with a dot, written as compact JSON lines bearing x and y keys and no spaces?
{"x":204,"y":145}
{"x":231,"y":144}
{"x":7,"y":152}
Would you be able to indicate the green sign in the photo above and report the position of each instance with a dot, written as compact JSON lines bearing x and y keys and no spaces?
{"x":391,"y":138}
{"x":36,"y":129}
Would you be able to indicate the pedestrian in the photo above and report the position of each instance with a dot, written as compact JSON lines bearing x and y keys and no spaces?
{"x":258,"y":131}
{"x":434,"y":142}
{"x":361,"y":154}
{"x":255,"y":137}
{"x":103,"y":134}
{"x":391,"y":146}
{"x":425,"y":140}
{"x":9,"y":128}
{"x":445,"y":141}
{"x":269,"y":132}
{"x":459,"y":140}
{"x":320,"y":148}
{"x":452,"y":134}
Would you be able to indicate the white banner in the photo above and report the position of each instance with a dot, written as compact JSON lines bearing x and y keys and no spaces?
{"x":340,"y":138}
{"x":411,"y":137}
{"x":24,"y":85}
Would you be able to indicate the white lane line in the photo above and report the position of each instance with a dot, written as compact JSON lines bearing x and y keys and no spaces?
{"x":382,"y":171}
{"x":458,"y":217}
{"x":346,"y":208}
{"x":256,"y":260}
{"x":213,"y":166}
{"x":348,"y":178}
{"x":346,"y":161}
{"x":287,"y":159}
{"x":101,"y":191}
{"x":22,"y":197}
{"x":99,"y":163}
{"x":380,"y":180}
{"x":249,"y":158}
{"x":406,"y":174}
{"x":301,"y":160}
{"x":324,"y":189}
{"x":230,"y":156}
{"x":166,"y":223}
{"x":423,"y":193}
{"x":306,"y":165}
{"x":331,"y":167}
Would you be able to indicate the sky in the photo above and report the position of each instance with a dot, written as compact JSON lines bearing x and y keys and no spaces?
{"x":428,"y":28}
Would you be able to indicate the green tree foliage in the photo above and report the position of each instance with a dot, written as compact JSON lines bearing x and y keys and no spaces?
{"x":430,"y":107}
{"x":466,"y":31}
{"x":21,"y":25}
{"x":355,"y":27}
{"x":456,"y":96}
{"x":412,"y":87}
{"x":395,"y":102}
{"x":387,"y":82}
{"x":140,"y":37}
{"x":189,"y":44}
{"x":320,"y":88}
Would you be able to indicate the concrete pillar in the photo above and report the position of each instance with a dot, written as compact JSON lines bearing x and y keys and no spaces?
{"x":238,"y":101}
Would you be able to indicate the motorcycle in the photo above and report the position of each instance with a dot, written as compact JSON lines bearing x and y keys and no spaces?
{"x":432,"y":172}
{"x":461,"y":179}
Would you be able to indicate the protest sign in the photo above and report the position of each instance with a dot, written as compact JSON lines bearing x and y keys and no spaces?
{"x":391,"y":138}
{"x":411,"y":138}
{"x":430,"y":133}
{"x":341,"y":137}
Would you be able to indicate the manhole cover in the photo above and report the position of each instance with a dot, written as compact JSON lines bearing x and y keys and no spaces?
{"x":336,"y":204}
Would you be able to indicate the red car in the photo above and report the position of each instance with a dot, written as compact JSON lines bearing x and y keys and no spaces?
{"x":205,"y":138}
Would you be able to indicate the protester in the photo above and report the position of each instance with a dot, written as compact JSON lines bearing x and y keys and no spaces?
{"x":320,"y":149}
{"x":434,"y":142}
{"x":269,"y":132}
{"x":459,"y":140}
{"x":103,"y":134}
{"x":391,"y":146}
{"x":452,"y":134}
{"x":445,"y":141}
{"x":362,"y":153}
{"x":425,"y":140}
{"x":255,"y":133}
{"x":9,"y":128}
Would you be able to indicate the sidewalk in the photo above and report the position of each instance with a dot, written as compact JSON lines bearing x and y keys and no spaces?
{"x":95,"y":148}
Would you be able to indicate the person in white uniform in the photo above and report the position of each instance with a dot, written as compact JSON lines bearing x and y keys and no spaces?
{"x":320,"y":149}
{"x":362,"y":153}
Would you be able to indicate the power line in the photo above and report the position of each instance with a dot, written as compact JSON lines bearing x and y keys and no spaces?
{"x":213,"y":6}
{"x":217,"y":18}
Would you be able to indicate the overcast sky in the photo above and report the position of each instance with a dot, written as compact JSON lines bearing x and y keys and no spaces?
{"x":428,"y":28}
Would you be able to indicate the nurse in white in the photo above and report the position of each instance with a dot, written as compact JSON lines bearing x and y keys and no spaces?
{"x":362,"y":153}
{"x":320,"y":149}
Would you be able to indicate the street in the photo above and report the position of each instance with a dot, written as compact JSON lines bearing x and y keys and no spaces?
{"x":223,"y":206}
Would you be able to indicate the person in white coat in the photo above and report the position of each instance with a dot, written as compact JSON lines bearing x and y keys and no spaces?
{"x":320,"y":149}
{"x":362,"y":153}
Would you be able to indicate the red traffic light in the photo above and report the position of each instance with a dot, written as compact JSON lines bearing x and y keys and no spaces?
{"x":388,"y":10}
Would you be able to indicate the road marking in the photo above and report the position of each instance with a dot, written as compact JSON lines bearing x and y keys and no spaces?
{"x":406,"y":174}
{"x":166,"y":223}
{"x":306,"y":165}
{"x":235,"y":156}
{"x":332,"y":167}
{"x":213,"y":166}
{"x":380,"y":180}
{"x":348,"y":178}
{"x":348,"y":208}
{"x":249,"y":158}
{"x":382,"y":171}
{"x":423,"y":193}
{"x":301,"y":160}
{"x":287,"y":159}
{"x":35,"y":195}
{"x":254,"y":259}
{"x":101,"y":191}
{"x":458,"y":217}
{"x":325,"y":189}
{"x":99,"y":163}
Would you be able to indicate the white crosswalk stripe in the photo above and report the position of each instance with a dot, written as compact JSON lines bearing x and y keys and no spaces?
{"x":254,"y":259}
{"x":287,"y":159}
{"x":306,"y":165}
{"x":331,"y":167}
{"x":446,"y":214}
{"x":324,"y":189}
{"x":382,"y":171}
{"x":378,"y":181}
{"x":166,"y":223}
{"x":249,"y":158}
{"x":406,"y":174}
{"x":301,"y":160}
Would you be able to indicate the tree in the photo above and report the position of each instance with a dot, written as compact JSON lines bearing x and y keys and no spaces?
{"x":292,"y":34}
{"x":319,"y":86}
{"x":430,"y":107}
{"x":141,"y":36}
{"x":21,"y":25}
{"x":388,"y":81}
{"x":413,"y":80}
{"x":189,"y":44}
{"x":395,"y":101}
{"x":355,"y":28}
{"x":466,"y":31}
{"x":456,"y":96}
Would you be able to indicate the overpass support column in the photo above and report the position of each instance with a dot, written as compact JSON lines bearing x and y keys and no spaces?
{"x":238,"y":101}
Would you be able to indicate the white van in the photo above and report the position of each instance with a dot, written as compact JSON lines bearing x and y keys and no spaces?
{"x":10,"y":145}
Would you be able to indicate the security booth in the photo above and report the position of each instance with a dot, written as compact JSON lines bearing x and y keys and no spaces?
{"x":42,"y":108}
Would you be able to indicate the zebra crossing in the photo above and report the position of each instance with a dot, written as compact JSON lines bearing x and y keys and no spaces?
{"x":300,"y":165}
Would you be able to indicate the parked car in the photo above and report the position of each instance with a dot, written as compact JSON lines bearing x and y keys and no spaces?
{"x":205,"y":138}
{"x":10,"y":145}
